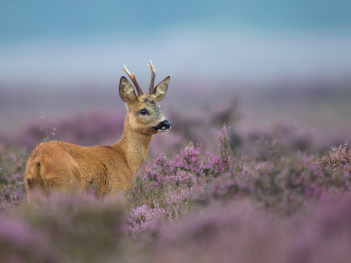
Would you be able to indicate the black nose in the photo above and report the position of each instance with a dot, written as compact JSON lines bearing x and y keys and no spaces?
{"x":165,"y":124}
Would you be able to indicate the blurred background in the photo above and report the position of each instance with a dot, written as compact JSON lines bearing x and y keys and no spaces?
{"x":269,"y":61}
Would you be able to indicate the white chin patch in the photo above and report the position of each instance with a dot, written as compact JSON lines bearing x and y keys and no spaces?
{"x":163,"y":129}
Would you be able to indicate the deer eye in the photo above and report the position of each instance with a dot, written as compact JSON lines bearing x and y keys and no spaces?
{"x":143,"y":111}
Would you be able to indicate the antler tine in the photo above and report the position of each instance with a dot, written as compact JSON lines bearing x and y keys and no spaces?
{"x":153,"y":74}
{"x":133,"y":79}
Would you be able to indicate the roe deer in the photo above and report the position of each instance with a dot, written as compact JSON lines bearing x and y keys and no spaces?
{"x":57,"y":165}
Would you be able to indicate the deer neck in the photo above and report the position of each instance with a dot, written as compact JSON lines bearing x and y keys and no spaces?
{"x":134,"y":145}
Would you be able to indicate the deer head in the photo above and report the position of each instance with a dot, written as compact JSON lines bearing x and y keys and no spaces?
{"x":144,"y":113}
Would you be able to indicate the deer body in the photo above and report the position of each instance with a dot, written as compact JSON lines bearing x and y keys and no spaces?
{"x":67,"y":167}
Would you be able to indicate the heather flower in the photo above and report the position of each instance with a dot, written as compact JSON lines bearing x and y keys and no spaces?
{"x":79,"y":227}
{"x":143,"y":221}
{"x":21,"y":243}
{"x":239,"y":230}
{"x":338,"y":159}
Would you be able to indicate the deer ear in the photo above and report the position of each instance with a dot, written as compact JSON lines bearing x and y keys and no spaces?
{"x":161,"y":89}
{"x":126,"y":90}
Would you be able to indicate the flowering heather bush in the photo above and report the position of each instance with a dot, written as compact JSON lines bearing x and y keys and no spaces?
{"x":80,"y":228}
{"x":259,"y":196}
{"x":19,"y":242}
{"x":143,"y":221}
{"x":338,"y":160}
{"x":196,"y":177}
{"x":12,"y":166}
{"x":238,"y":232}
{"x":168,"y":183}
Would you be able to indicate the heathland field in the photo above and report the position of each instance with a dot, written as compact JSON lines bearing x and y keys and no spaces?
{"x":262,"y":175}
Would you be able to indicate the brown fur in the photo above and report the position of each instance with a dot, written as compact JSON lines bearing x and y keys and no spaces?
{"x":67,"y":167}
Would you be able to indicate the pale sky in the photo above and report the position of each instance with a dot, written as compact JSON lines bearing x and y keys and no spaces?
{"x":56,"y":42}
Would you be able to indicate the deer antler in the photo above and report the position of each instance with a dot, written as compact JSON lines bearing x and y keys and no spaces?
{"x":133,"y":79}
{"x":152,"y":81}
